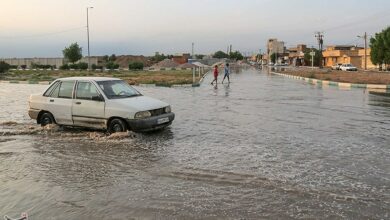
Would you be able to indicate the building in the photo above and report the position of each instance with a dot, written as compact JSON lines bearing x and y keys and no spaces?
{"x":275,"y":47}
{"x":181,"y":58}
{"x":347,"y":54}
{"x":296,"y":55}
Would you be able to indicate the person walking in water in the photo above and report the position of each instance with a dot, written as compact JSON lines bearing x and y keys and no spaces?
{"x":227,"y":72}
{"x":215,"y":75}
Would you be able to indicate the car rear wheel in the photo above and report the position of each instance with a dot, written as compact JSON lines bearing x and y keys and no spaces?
{"x":117,"y":125}
{"x":46,"y":118}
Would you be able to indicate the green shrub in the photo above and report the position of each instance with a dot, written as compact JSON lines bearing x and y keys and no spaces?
{"x":74,"y":66}
{"x":95,"y":67}
{"x":4,"y":67}
{"x":64,"y":67}
{"x":136,"y":65}
{"x":82,"y":66}
{"x":111,"y":65}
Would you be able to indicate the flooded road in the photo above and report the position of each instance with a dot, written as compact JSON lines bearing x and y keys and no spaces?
{"x":264,"y":147}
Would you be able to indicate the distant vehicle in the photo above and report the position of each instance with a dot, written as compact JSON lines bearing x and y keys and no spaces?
{"x":337,"y":66}
{"x":348,"y":67}
{"x":99,"y":102}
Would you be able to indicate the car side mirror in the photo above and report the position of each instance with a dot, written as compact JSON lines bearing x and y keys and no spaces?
{"x":98,"y":98}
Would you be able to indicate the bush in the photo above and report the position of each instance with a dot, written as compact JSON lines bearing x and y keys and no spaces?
{"x":4,"y":67}
{"x":95,"y":67}
{"x":82,"y":66}
{"x":74,"y":66}
{"x":136,"y":65}
{"x":23,"y":66}
{"x":64,"y":67}
{"x":111,"y":65}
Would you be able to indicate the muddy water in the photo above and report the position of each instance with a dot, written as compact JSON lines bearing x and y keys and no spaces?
{"x":264,"y":147}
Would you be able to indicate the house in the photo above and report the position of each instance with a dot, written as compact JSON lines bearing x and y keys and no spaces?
{"x":347,"y":54}
{"x":296,"y":55}
{"x":181,"y":58}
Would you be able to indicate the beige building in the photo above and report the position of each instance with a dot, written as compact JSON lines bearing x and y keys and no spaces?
{"x":296,"y":55}
{"x":275,"y":46}
{"x":347,"y":54}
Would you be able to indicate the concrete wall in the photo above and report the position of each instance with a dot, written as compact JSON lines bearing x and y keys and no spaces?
{"x":43,"y":61}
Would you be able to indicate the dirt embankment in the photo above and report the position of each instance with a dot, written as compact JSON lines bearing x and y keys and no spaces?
{"x":358,"y":77}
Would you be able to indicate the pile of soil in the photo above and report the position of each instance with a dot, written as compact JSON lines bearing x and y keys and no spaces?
{"x":124,"y":60}
{"x":167,"y":63}
{"x":187,"y":65}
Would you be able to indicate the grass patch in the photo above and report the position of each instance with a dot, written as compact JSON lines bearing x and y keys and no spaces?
{"x":161,"y":78}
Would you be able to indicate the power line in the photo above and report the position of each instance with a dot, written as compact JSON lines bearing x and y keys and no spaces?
{"x":41,"y":35}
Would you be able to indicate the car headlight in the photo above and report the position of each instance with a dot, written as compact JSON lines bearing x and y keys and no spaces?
{"x":144,"y":114}
{"x":168,"y":109}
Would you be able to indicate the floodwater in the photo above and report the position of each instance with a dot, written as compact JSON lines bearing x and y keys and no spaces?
{"x":264,"y":147}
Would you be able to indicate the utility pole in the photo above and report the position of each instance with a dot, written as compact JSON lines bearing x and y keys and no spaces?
{"x":89,"y":55}
{"x":365,"y":49}
{"x":320,"y":38}
{"x":193,"y":50}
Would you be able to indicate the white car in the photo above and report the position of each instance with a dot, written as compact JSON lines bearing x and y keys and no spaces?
{"x":99,"y":102}
{"x":337,"y":66}
{"x":348,"y":67}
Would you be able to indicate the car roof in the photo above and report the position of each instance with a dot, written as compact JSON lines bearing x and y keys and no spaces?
{"x":89,"y":78}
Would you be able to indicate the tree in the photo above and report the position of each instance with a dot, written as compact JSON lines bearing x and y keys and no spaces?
{"x":4,"y":67}
{"x":273,"y":57}
{"x":73,"y":53}
{"x":220,"y":55}
{"x":380,"y":48}
{"x":136,"y":65}
{"x":111,"y":65}
{"x":236,"y":55}
{"x":199,"y":56}
{"x":307,"y":56}
{"x":112,"y":57}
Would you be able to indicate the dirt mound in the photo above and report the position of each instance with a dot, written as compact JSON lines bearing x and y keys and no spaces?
{"x":124,"y":60}
{"x":167,"y":63}
{"x":187,"y":65}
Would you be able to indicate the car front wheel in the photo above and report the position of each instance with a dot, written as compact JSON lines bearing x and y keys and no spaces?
{"x":117,"y":125}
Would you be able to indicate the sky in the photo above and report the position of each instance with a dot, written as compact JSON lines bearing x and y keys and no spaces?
{"x":43,"y":28}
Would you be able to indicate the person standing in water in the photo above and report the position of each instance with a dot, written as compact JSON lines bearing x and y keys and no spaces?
{"x":227,"y":72}
{"x":215,"y":75}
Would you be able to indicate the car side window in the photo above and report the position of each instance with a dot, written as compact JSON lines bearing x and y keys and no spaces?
{"x":86,"y":90}
{"x":66,"y":89}
{"x":50,"y":89}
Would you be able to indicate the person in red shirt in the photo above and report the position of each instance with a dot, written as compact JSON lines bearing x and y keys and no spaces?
{"x":215,"y":75}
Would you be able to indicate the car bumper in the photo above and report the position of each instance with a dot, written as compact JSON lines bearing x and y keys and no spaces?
{"x":152,"y":123}
{"x":33,"y":113}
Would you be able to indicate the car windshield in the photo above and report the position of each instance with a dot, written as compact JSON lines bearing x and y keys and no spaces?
{"x":117,"y":89}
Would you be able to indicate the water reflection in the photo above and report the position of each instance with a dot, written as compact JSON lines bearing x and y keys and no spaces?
{"x":261,"y":147}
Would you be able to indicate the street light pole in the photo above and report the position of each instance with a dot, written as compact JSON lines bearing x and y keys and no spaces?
{"x":89,"y":55}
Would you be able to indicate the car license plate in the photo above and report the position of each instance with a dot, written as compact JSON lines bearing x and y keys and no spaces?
{"x":162,"y":120}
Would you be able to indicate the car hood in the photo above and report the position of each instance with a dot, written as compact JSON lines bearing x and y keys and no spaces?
{"x":139,"y":103}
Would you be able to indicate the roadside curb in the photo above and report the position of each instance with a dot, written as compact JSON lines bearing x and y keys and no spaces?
{"x":332,"y":83}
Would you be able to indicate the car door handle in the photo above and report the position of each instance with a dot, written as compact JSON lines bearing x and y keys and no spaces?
{"x":51,"y":100}
{"x":78,"y":103}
